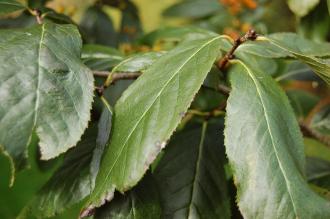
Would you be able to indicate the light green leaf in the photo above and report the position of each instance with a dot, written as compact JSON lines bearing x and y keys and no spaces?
{"x":266,"y":150}
{"x":144,"y":123}
{"x":45,"y":88}
{"x":98,"y":57}
{"x":75,"y":178}
{"x":138,"y":63}
{"x":302,"y":7}
{"x":8,"y":6}
{"x":142,"y":202}
{"x":191,"y":176}
{"x":328,"y":1}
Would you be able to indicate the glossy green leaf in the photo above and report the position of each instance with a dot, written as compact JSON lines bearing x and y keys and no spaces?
{"x":193,"y":8}
{"x":8,"y":6}
{"x":191,"y":176}
{"x":302,"y":7}
{"x":45,"y":88}
{"x":75,"y":178}
{"x":138,"y":63}
{"x":143,"y":123}
{"x":266,"y":151}
{"x":102,"y":58}
{"x":142,"y":202}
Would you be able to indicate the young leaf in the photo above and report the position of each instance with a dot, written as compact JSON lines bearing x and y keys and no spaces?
{"x":143,"y":123}
{"x":302,"y":7}
{"x":75,"y":178}
{"x":265,"y":150}
{"x":8,"y":6}
{"x":142,"y":202}
{"x":44,"y":87}
{"x":138,"y":63}
{"x":191,"y":177}
{"x":99,"y":57}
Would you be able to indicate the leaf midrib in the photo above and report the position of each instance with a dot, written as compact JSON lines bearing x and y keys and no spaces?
{"x":270,"y":133}
{"x":36,"y":107}
{"x":145,"y":112}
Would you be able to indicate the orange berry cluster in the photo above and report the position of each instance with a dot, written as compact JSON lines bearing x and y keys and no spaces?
{"x":236,"y":6}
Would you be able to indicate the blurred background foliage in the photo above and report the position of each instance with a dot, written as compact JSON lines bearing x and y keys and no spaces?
{"x":137,"y":26}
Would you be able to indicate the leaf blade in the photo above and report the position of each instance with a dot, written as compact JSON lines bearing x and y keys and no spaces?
{"x":49,"y":90}
{"x":190,"y":176}
{"x":263,"y":158}
{"x":8,"y":6}
{"x":147,"y":110}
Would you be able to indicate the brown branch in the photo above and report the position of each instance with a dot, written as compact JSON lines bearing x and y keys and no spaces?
{"x":308,"y":132}
{"x":114,"y":77}
{"x":37,"y":13}
{"x":250,"y":35}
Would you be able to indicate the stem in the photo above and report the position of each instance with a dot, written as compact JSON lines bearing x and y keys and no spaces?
{"x":113,"y":77}
{"x":250,"y":35}
{"x":308,"y":132}
{"x":37,"y":13}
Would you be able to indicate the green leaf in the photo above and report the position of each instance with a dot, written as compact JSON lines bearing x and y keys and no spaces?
{"x":174,"y":34}
{"x":302,"y":102}
{"x":98,"y":57}
{"x":314,"y":148}
{"x":144,"y":123}
{"x":296,"y":70}
{"x":318,"y":172}
{"x":291,"y":45}
{"x":138,"y":63}
{"x":265,"y":150}
{"x":75,"y":178}
{"x":45,"y":88}
{"x":8,"y":6}
{"x":281,"y":45}
{"x":193,"y":8}
{"x":328,"y":1}
{"x":130,"y":27}
{"x":302,"y":7}
{"x":191,"y":176}
{"x":321,"y":121}
{"x":97,"y":28}
{"x":142,"y":202}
